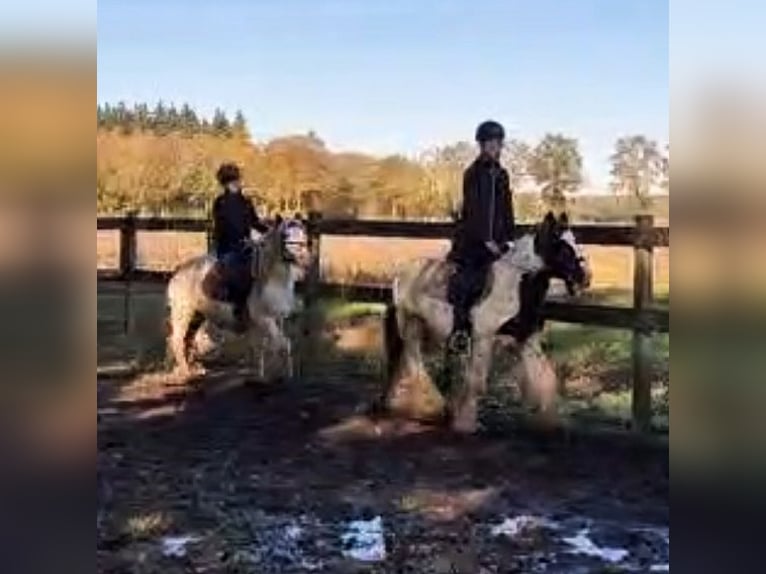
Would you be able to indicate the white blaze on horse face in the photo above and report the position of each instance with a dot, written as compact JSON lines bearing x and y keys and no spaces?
{"x":294,"y":233}
{"x":296,"y":241}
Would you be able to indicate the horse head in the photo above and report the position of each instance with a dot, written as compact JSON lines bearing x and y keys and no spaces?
{"x":293,"y":240}
{"x":287,"y":242}
{"x":563,"y":258}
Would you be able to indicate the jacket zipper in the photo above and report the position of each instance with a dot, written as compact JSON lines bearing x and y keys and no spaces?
{"x":493,"y":177}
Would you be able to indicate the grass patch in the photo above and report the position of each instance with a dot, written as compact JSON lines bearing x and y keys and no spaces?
{"x":342,"y":310}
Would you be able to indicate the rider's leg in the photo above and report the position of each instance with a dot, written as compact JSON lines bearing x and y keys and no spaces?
{"x":238,"y":287}
{"x":461,"y":298}
{"x":469,"y":283}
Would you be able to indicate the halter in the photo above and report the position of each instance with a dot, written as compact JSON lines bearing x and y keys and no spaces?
{"x":288,"y":232}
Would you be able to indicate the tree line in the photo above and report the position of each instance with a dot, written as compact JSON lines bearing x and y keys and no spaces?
{"x":163,"y":119}
{"x":164,"y":158}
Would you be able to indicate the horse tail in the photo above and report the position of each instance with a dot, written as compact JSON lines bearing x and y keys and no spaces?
{"x":394,"y":344}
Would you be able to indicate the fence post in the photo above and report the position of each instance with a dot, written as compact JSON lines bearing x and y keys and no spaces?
{"x":311,"y":322}
{"x":642,"y":298}
{"x":209,"y":236}
{"x":127,"y":262}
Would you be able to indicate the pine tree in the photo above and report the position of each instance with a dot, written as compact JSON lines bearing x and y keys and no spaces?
{"x":174,"y":119}
{"x":121,"y":114}
{"x":160,"y":119}
{"x":189,"y":121}
{"x":221,"y":126}
{"x":239,"y":127}
{"x":142,"y":116}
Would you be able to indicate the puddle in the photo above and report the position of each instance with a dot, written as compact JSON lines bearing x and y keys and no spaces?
{"x":512,"y":527}
{"x":175,"y":546}
{"x":363,"y":540}
{"x":582,"y":544}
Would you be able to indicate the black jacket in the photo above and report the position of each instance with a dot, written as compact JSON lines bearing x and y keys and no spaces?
{"x":487,"y":212}
{"x":233,"y":218}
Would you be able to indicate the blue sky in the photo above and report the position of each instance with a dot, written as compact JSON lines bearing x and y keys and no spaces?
{"x":398,"y":76}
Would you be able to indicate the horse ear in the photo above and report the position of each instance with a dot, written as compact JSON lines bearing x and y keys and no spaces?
{"x":564,"y":220}
{"x":278,"y":219}
{"x":549,"y":222}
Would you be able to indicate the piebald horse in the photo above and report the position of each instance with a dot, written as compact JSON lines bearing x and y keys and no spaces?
{"x":511,"y":305}
{"x":279,"y":259}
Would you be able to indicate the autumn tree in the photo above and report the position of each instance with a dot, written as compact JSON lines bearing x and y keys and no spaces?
{"x":444,"y":167}
{"x":556,"y":165}
{"x":637,"y":166}
{"x":665,"y":169}
{"x":395,"y":186}
{"x":517,"y":157}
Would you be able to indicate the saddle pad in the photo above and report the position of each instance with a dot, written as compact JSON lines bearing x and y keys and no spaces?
{"x":215,"y":283}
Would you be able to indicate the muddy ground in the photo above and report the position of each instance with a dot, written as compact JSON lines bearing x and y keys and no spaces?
{"x":232,"y":475}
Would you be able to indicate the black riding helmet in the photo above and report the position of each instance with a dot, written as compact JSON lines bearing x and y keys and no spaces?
{"x":227,"y":173}
{"x":489,"y":130}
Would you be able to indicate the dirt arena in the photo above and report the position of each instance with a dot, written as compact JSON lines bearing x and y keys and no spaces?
{"x":233,"y":475}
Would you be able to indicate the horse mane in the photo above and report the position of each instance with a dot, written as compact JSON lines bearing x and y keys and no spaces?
{"x":266,"y":254}
{"x":523,"y":255}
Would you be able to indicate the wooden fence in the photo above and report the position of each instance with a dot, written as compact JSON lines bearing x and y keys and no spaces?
{"x":643,"y":318}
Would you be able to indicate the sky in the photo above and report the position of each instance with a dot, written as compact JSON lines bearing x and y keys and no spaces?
{"x":399,"y":76}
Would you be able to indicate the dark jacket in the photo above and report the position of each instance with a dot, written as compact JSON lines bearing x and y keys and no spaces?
{"x":487,"y":212}
{"x":233,"y":218}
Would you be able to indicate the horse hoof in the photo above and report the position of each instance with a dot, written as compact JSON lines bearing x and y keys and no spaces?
{"x":464,"y":425}
{"x":547,"y":422}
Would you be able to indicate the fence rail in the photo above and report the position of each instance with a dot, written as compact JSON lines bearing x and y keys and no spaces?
{"x":643,"y":318}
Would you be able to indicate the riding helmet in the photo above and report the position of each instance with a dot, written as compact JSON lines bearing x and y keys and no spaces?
{"x":227,"y":173}
{"x":489,"y":130}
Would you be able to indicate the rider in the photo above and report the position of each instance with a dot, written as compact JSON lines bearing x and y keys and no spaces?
{"x":233,"y":218}
{"x":484,"y":230}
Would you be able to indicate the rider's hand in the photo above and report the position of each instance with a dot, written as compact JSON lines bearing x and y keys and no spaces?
{"x":493,"y":248}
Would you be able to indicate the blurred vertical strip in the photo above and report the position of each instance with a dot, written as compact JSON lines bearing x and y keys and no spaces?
{"x":47,"y":289}
{"x":718,"y":203}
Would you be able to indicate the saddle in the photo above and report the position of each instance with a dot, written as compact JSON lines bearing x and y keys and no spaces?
{"x":228,"y":281}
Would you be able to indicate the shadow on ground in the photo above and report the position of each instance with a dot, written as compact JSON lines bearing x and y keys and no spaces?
{"x":227,"y":474}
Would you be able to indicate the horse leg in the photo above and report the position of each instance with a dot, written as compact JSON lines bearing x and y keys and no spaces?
{"x":411,"y":393}
{"x":466,"y":397}
{"x":192,"y":328}
{"x":180,"y":319}
{"x":288,"y":350}
{"x":256,"y":344}
{"x":266,"y":335}
{"x":538,"y":381}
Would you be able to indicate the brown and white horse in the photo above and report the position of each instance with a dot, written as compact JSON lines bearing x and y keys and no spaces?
{"x":280,"y":257}
{"x":420,"y":315}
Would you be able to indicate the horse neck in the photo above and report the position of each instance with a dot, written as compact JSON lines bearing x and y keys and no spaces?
{"x":272,"y":267}
{"x":524,"y":257}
